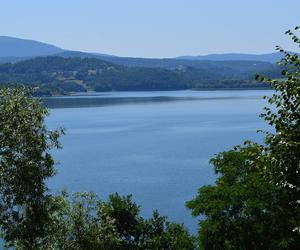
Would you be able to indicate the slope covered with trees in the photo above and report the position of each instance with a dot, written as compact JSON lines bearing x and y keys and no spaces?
{"x":59,"y":75}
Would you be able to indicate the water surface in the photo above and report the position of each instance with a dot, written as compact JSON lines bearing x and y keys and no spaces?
{"x":153,"y":145}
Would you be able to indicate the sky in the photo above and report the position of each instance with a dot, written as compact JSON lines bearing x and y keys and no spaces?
{"x":153,"y":28}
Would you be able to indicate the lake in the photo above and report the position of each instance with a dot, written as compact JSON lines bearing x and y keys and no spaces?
{"x":153,"y":145}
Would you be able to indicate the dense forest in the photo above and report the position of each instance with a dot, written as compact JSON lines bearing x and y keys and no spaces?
{"x":62,"y":75}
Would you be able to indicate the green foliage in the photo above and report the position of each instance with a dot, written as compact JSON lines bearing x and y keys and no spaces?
{"x":284,"y":115}
{"x":158,"y":234}
{"x":126,"y":219}
{"x":25,"y":164}
{"x":80,"y":222}
{"x":255,"y":203}
{"x":243,"y":210}
{"x":283,"y":147}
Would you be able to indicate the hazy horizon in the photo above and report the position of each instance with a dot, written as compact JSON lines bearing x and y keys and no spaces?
{"x":95,"y":52}
{"x":156,"y":29}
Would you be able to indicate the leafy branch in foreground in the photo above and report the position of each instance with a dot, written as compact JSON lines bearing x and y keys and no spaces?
{"x":25,"y":164}
{"x":284,"y":115}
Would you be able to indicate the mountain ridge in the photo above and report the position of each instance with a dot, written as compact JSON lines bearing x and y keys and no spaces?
{"x":266,"y":57}
{"x":18,"y":47}
{"x":14,"y":49}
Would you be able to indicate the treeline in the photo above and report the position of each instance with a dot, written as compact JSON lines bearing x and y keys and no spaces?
{"x":59,"y":75}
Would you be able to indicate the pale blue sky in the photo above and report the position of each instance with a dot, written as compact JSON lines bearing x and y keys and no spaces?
{"x":153,"y":28}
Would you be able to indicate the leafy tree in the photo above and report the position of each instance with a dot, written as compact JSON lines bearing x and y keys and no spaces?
{"x":127,"y":220}
{"x":243,"y":210}
{"x":255,"y":203}
{"x":284,"y":146}
{"x":25,"y":165}
{"x":158,"y":233}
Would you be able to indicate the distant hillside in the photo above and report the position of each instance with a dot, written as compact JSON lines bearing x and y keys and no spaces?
{"x":171,"y":63}
{"x":64,"y":71}
{"x":12,"y":59}
{"x":271,"y":57}
{"x":70,"y":53}
{"x":11,"y":47}
{"x":58,"y":75}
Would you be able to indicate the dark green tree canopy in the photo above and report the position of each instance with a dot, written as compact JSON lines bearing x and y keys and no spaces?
{"x":25,"y":164}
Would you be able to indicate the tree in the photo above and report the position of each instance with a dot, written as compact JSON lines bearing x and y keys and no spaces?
{"x":158,"y":233}
{"x":284,"y":114}
{"x":255,"y":203}
{"x":25,"y":164}
{"x":83,"y":221}
{"x":243,"y":210}
{"x":127,"y":220}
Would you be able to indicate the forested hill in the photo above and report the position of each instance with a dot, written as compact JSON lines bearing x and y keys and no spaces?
{"x":173,"y":63}
{"x":59,"y":75}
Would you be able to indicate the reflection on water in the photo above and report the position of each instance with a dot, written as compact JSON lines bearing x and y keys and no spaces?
{"x":72,"y":102}
{"x":98,"y":99}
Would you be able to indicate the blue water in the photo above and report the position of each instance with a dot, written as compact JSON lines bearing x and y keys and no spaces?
{"x":154,"y":145}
